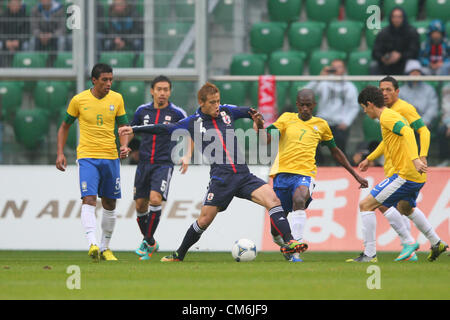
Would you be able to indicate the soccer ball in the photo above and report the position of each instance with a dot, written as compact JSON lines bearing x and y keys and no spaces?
{"x":243,"y":250}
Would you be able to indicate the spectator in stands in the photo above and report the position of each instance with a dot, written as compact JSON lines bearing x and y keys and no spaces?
{"x":444,"y":130}
{"x":338,"y":102}
{"x":435,"y":53}
{"x":421,"y":94}
{"x":48,"y":24}
{"x":14,"y":31}
{"x":124,"y":29}
{"x":395,"y":45}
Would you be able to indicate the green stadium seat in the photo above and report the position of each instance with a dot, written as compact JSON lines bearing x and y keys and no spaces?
{"x":51,"y":96}
{"x":26,"y":59}
{"x":248,"y":64}
{"x":371,"y":129}
{"x":344,"y":35}
{"x":284,"y":10}
{"x":294,"y":89}
{"x":357,"y":9}
{"x":232,"y":92}
{"x":133,"y":93}
{"x":411,"y":7}
{"x":266,"y":37}
{"x":224,"y":14}
{"x":170,"y":34}
{"x":282,"y":89}
{"x":359,"y":85}
{"x":359,"y":63}
{"x":322,"y":10}
{"x":371,"y":34}
{"x":63,"y":60}
{"x":29,"y":5}
{"x":71,"y":141}
{"x":117,"y":59}
{"x":286,"y":63}
{"x":438,"y":9}
{"x":306,"y":36}
{"x":185,"y":9}
{"x":11,"y":93}
{"x":320,"y":59}
{"x":422,"y":29}
{"x":181,"y":95}
{"x":31,"y":127}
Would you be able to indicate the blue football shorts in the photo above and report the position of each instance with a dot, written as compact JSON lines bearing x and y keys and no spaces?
{"x":99,"y":177}
{"x":152,"y":177}
{"x":285,"y":184}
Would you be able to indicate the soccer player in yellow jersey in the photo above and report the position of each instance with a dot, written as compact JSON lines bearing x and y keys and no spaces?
{"x":98,"y":110}
{"x":295,"y":168}
{"x":402,"y":188}
{"x":401,"y":224}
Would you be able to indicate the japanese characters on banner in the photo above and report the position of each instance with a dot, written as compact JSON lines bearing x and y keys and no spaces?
{"x":333,"y":216}
{"x":267,"y":98}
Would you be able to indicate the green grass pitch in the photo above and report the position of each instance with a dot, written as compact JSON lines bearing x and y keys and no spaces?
{"x":215,"y":276}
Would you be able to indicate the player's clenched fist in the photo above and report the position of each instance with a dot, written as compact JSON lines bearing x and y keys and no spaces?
{"x":125,"y":130}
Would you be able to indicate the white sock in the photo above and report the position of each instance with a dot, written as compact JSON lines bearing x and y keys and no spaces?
{"x":278,"y":240}
{"x":422,"y":223}
{"x":407,"y":223}
{"x":396,"y":221}
{"x":108,"y":223}
{"x":89,"y":222}
{"x":297,"y":222}
{"x":369,"y":231}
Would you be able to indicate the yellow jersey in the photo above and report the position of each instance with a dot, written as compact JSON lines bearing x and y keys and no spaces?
{"x":298,"y":144}
{"x":97,"y":118}
{"x":398,"y":151}
{"x":409,"y":112}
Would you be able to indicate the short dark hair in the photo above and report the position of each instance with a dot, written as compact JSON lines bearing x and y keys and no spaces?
{"x":100,"y":68}
{"x":161,"y":78}
{"x":391,"y":80}
{"x":371,"y":94}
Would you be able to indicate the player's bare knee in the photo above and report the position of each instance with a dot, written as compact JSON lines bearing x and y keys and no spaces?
{"x":109,"y":204}
{"x":155,"y":199}
{"x":90,"y":200}
{"x":299,"y":204}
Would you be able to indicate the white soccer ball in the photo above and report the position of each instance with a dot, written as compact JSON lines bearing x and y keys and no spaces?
{"x":243,"y":250}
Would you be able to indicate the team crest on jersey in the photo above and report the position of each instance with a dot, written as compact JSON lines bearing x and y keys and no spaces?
{"x":225,"y":117}
{"x":111,"y":107}
{"x":315,"y":128}
{"x":210,"y":196}
{"x":84,"y":186}
{"x":167,"y":119}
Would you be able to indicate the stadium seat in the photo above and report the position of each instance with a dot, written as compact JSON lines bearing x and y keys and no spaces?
{"x":294,"y":89}
{"x":29,"y":5}
{"x":232,"y":92}
{"x":31,"y":127}
{"x":371,"y":34}
{"x":284,"y":10}
{"x":51,"y":96}
{"x":344,"y":35}
{"x":27,"y":59}
{"x":117,"y":59}
{"x":282,"y":89}
{"x":248,"y":64}
{"x":133,"y":93}
{"x":357,"y":9}
{"x":422,"y":28}
{"x":181,"y":95}
{"x":286,"y":63}
{"x":266,"y":37}
{"x":320,"y":59}
{"x":169,"y":35}
{"x":411,"y":7}
{"x":371,"y":129}
{"x":322,"y":10}
{"x":438,"y":9}
{"x":11,"y":93}
{"x":63,"y":60}
{"x":71,"y":141}
{"x":306,"y":36}
{"x":224,"y":14}
{"x":359,"y":63}
{"x":185,"y":10}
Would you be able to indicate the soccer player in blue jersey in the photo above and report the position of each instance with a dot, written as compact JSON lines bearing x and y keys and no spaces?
{"x":229,"y":174}
{"x":155,"y":167}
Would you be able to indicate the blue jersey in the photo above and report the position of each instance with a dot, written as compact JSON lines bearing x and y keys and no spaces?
{"x":154,"y":148}
{"x":207,"y":130}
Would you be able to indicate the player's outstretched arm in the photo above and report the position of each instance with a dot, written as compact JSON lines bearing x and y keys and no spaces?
{"x":340,"y":157}
{"x":63,"y":132}
{"x":124,"y":141}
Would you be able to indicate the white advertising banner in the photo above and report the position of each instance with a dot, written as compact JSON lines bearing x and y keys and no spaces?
{"x":40,"y":210}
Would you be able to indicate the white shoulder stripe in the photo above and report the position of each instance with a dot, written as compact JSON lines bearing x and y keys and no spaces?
{"x":180,"y":110}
